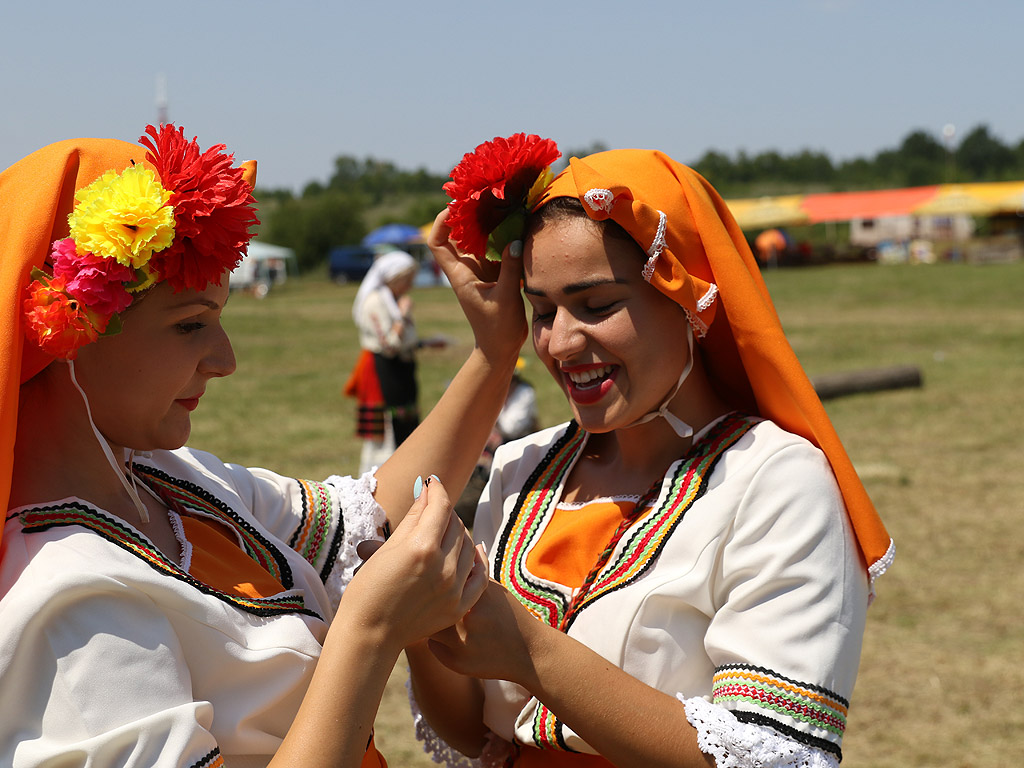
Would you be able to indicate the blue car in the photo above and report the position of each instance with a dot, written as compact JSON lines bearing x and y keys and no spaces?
{"x":349,"y":262}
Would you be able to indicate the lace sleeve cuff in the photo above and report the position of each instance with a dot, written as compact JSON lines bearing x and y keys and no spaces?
{"x":735,"y":744}
{"x":362,"y":519}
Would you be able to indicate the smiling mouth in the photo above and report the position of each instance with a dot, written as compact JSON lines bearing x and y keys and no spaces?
{"x":586,"y":387}
{"x":588,"y":379}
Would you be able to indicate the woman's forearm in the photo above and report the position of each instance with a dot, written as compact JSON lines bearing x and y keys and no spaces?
{"x":625,"y":720}
{"x":335,"y":721}
{"x":451,"y":703}
{"x":449,"y":440}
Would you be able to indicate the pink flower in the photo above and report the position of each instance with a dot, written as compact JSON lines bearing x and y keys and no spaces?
{"x":96,"y":282}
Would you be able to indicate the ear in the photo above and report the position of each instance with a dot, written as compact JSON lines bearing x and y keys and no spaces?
{"x":249,"y":173}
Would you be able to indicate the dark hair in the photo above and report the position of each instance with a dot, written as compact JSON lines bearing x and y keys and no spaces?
{"x":562,"y":208}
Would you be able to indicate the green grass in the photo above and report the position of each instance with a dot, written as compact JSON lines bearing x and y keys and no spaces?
{"x":943,"y":658}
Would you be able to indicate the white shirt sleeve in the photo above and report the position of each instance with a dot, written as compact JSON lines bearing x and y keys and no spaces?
{"x":96,"y":677}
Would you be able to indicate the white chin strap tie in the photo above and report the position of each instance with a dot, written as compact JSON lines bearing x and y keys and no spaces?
{"x":679,"y":426}
{"x":118,"y":468}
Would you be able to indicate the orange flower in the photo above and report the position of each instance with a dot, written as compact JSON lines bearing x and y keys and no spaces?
{"x":489,"y":191}
{"x":58,"y":323}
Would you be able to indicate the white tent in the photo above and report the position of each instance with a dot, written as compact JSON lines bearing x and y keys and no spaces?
{"x":264,"y":265}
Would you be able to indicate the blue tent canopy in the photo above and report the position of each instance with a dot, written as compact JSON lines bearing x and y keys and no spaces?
{"x":394,"y":234}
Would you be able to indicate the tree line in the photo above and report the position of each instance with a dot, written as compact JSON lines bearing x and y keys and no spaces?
{"x":362,"y":194}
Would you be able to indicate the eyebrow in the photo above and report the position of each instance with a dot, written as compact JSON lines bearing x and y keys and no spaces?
{"x":205,"y":302}
{"x":584,"y":285}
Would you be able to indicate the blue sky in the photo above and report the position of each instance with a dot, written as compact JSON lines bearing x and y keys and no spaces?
{"x":296,"y":83}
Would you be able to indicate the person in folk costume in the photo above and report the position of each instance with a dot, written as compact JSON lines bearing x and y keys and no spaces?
{"x":157,"y":605}
{"x":383,"y":379}
{"x":680,"y":574}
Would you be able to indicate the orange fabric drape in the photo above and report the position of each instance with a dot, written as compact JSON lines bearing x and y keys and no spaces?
{"x":697,"y":243}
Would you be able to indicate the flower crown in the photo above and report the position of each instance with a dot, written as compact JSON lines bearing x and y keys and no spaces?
{"x":492,"y":190}
{"x":186,"y":223}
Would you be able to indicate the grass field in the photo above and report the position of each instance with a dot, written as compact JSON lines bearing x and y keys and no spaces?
{"x":943,"y":660}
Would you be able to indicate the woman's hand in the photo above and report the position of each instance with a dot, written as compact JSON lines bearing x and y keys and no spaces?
{"x":488,"y":292}
{"x":496,"y":640}
{"x":422,"y":579}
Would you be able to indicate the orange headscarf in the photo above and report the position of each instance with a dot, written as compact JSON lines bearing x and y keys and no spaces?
{"x":36,"y":196}
{"x":699,"y":258}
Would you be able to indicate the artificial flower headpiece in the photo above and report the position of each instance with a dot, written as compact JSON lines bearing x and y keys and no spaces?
{"x":492,"y":190}
{"x":698,"y":256}
{"x":183,"y":217}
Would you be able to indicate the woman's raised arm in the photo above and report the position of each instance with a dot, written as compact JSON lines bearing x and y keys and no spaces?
{"x":449,"y":440}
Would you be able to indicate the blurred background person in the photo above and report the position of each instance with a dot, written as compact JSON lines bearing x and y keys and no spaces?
{"x":384,"y":377}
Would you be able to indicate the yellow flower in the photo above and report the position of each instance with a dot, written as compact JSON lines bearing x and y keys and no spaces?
{"x":124,"y":216}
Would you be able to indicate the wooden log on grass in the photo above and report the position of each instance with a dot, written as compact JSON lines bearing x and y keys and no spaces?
{"x":831,"y":385}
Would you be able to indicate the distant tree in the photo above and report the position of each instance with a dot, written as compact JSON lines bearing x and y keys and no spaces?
{"x":716,"y":167}
{"x":315,"y":224}
{"x":810,"y":167}
{"x":591,"y":149}
{"x":981,"y":156}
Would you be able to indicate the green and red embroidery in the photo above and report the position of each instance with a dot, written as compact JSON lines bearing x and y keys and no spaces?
{"x":35,"y":519}
{"x":768,"y":690}
{"x":312,"y":538}
{"x":618,"y":566}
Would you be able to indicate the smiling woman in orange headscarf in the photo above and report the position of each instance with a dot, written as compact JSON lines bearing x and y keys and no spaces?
{"x":158,"y":606}
{"x":681,"y":573}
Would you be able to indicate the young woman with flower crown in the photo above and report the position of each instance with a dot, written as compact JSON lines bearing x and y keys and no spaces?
{"x":680,"y":574}
{"x":159,"y":607}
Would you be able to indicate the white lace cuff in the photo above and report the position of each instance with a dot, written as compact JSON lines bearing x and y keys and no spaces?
{"x":363,"y":519}
{"x":735,"y":744}
{"x":438,"y":749}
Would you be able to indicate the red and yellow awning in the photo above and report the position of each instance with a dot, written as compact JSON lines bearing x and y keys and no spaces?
{"x":986,"y":199}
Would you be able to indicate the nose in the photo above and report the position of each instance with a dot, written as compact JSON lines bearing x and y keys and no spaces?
{"x":220,"y":359}
{"x":567,"y":337}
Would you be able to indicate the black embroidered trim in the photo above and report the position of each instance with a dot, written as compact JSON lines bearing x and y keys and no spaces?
{"x":332,"y":553}
{"x":287,"y":580}
{"x":169,"y":569}
{"x":568,"y":435}
{"x":208,"y":759}
{"x":804,"y":738}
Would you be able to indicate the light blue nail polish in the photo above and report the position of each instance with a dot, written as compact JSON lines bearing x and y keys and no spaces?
{"x":515,"y":249}
{"x":435,"y":477}
{"x":417,"y":487}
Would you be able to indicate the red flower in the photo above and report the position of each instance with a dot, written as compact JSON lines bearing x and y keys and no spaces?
{"x":213,"y":209}
{"x":491,"y":185}
{"x":58,"y":323}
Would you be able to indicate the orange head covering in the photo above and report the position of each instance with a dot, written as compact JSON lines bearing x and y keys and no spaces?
{"x":699,"y":258}
{"x":37,"y":194}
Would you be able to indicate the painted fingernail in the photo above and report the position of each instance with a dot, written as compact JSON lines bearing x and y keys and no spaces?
{"x":417,"y":487}
{"x":515,"y":249}
{"x":434,"y":477}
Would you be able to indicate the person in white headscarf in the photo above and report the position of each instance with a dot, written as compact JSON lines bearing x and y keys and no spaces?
{"x":384,"y":378}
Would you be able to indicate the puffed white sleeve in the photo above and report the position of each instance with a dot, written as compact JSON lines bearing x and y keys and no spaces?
{"x":322,"y":521}
{"x":95,"y":676}
{"x":791,"y":595}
